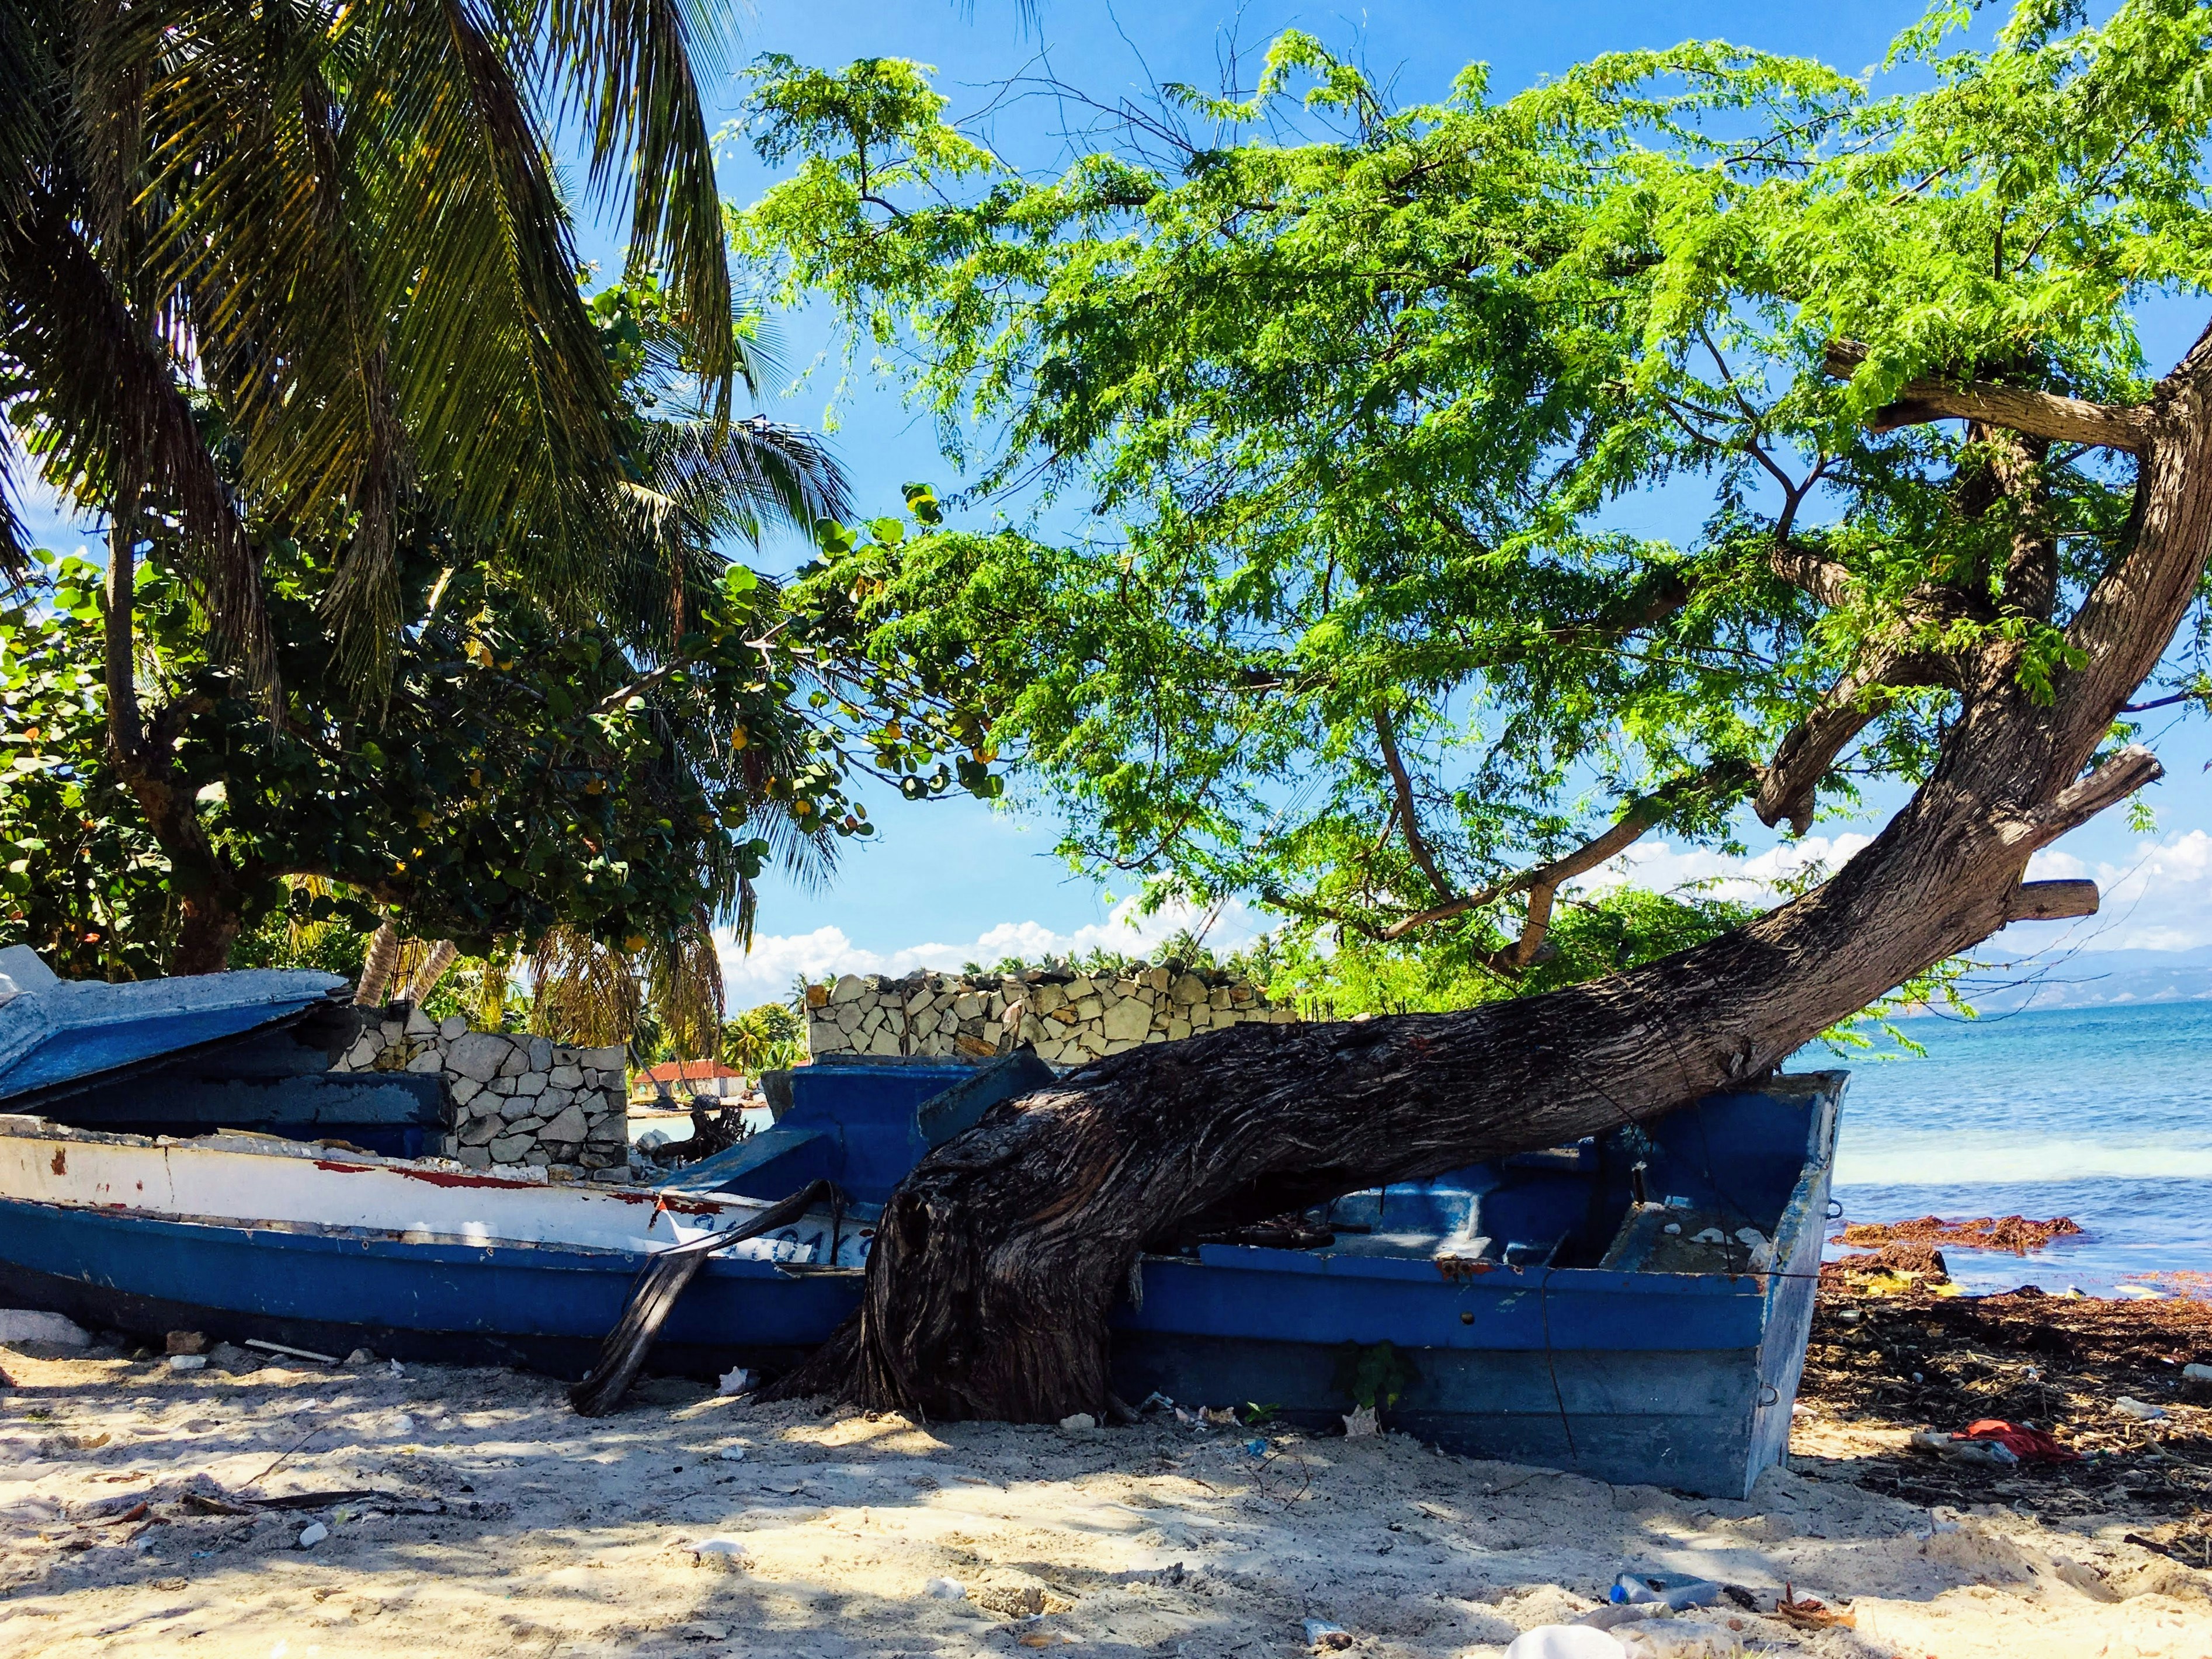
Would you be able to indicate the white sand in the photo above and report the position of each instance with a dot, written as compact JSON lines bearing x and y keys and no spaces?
{"x":511,"y":1527}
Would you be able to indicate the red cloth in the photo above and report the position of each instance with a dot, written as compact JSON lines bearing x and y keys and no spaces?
{"x":2029,"y":1445}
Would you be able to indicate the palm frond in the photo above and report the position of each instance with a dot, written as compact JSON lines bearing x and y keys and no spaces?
{"x":628,"y":65}
{"x":582,"y":992}
{"x":743,"y":478}
{"x":684,"y":985}
{"x":109,"y":416}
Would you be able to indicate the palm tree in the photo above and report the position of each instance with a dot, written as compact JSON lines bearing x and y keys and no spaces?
{"x":297,"y":271}
{"x":328,"y":236}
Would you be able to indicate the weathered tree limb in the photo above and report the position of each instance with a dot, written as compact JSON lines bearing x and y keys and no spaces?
{"x":1825,"y":580}
{"x":2018,"y":409}
{"x":2052,"y":901}
{"x":1790,"y":787}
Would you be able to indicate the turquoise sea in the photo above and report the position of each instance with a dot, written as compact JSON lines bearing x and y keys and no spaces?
{"x":2104,"y":1114}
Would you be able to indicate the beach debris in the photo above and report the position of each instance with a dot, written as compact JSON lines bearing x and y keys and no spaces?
{"x":1256,"y":1447}
{"x":1708,"y":1235}
{"x":291,"y":1353}
{"x":2014,"y":1233}
{"x":2196,"y":1373}
{"x":392,"y":1369}
{"x":1677,"y":1639}
{"x":184,"y":1342}
{"x":2027,"y":1443}
{"x":1563,"y":1642}
{"x":1157,"y":1401}
{"x":1075,"y":1422}
{"x":2141,"y":1410}
{"x":1674,"y":1227}
{"x":1809,"y":1615}
{"x":736,"y":1380}
{"x":360,"y":1357}
{"x":732,"y":1454}
{"x":1643,"y":1586}
{"x":719,"y":1554}
{"x":946,"y":1589}
{"x":313,"y":1533}
{"x":1325,"y":1638}
{"x":33,"y":1325}
{"x":403,"y":1424}
{"x":1750,"y":1236}
{"x":1989,"y":1454}
{"x":2138,"y":1293}
{"x":188,"y":1362}
{"x":1360,"y":1423}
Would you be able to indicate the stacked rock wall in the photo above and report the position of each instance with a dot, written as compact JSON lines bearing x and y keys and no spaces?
{"x":1071,"y":1018}
{"x":519,"y":1101}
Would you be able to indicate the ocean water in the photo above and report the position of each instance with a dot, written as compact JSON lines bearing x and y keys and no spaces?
{"x":2104,"y":1114}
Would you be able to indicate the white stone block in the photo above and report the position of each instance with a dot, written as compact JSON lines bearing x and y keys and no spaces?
{"x":848,"y":989}
{"x":568,"y":1124}
{"x":1128,"y":1021}
{"x":429,"y":1061}
{"x":477,"y":1056}
{"x":612,"y":1058}
{"x":518,"y":1059}
{"x":464,"y":1090}
{"x":452,"y":1026}
{"x":565,"y":1077}
{"x":530,"y":1083}
{"x":419,"y":1026}
{"x":541,"y":1053}
{"x":1190,"y":989}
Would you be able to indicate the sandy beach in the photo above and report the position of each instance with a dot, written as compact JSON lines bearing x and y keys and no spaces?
{"x":488,"y":1519}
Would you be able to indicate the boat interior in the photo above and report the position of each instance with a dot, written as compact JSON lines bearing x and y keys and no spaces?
{"x":1701,"y":1189}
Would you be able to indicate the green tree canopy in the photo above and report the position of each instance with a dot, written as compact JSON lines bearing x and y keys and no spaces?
{"x":1354,"y":396}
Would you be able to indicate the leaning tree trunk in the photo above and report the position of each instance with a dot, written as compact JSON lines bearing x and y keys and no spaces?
{"x":999,"y":1260}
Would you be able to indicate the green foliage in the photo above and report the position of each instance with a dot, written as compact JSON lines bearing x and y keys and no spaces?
{"x":763,"y":1038}
{"x":1355,"y":397}
{"x":340,"y":228}
{"x":621,"y":771}
{"x":1373,"y":1375}
{"x":1449,"y":967}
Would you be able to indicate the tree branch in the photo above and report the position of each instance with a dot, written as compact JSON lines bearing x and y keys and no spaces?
{"x":1791,"y":785}
{"x":1826,"y":581}
{"x":1543,"y":882}
{"x":2122,"y":774}
{"x":2050,"y":901}
{"x":2018,"y":409}
{"x":1403,"y":785}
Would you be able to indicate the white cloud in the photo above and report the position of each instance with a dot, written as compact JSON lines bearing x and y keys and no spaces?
{"x":765,"y":974}
{"x":1664,"y":868}
{"x":2159,"y":899}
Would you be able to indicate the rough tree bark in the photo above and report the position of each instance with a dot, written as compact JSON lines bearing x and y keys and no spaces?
{"x":999,"y":1260}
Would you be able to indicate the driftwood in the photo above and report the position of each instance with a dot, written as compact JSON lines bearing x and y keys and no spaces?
{"x":998,"y":1260}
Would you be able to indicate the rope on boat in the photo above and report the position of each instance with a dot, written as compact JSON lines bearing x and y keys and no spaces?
{"x":653,"y":1297}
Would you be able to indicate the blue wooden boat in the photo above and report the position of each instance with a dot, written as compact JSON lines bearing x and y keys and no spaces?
{"x":246,"y":1051}
{"x":1634,"y":1308}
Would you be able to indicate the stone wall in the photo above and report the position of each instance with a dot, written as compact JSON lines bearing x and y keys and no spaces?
{"x":1072,"y":1019}
{"x":517,"y":1101}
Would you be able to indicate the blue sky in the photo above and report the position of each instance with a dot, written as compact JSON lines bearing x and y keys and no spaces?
{"x":969,"y":881}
